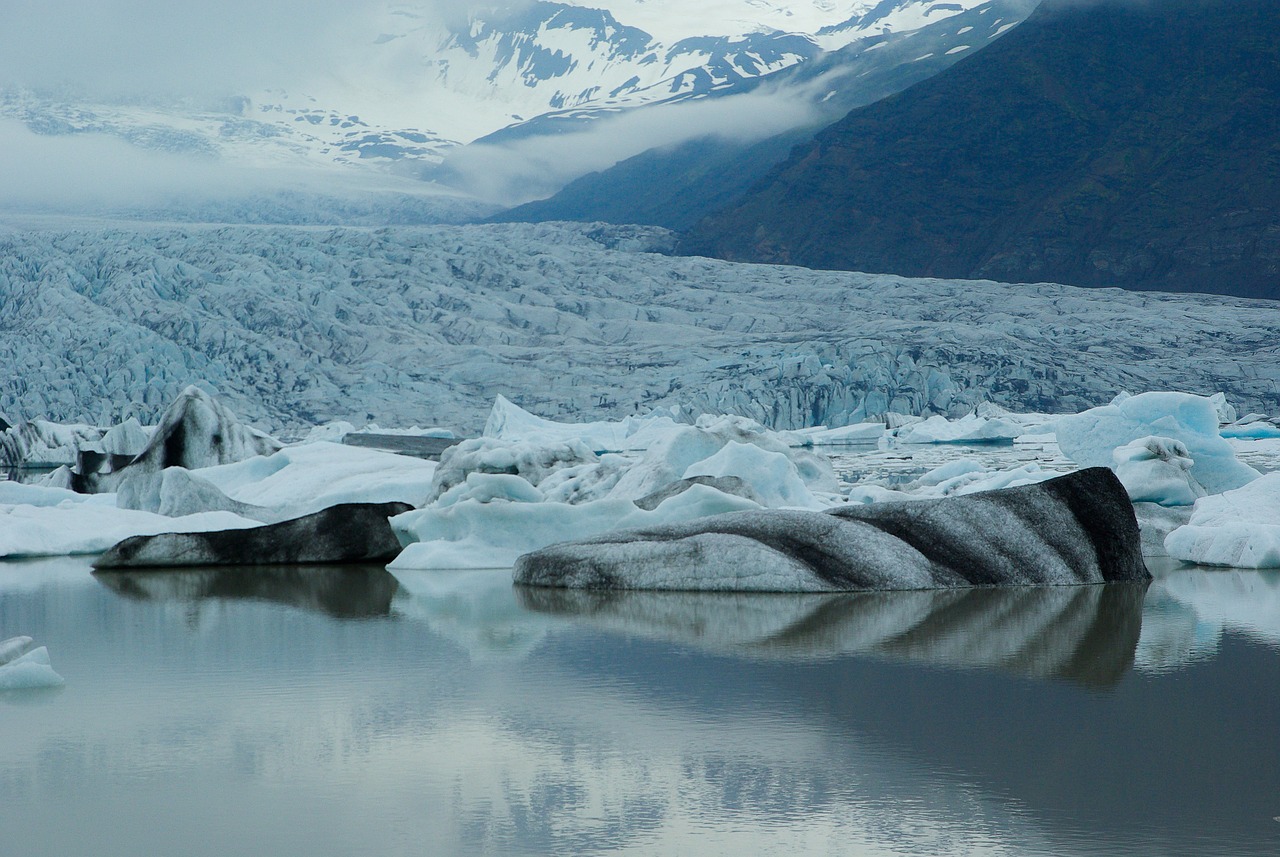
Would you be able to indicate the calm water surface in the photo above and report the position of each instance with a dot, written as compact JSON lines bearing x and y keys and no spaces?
{"x":320,"y":711}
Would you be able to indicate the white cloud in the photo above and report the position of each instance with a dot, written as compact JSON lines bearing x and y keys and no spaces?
{"x":97,"y":173}
{"x":515,"y":172}
{"x":140,"y":48}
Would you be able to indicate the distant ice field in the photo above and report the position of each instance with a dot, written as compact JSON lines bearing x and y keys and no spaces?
{"x":300,"y":326}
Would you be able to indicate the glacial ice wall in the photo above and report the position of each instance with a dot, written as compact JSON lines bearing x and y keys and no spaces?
{"x":297,"y":326}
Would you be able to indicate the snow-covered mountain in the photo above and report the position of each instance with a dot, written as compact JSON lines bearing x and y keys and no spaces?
{"x":423,"y":326}
{"x":407,"y":84}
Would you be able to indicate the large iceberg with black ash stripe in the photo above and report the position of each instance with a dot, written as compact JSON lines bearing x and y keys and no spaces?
{"x":1077,"y":529}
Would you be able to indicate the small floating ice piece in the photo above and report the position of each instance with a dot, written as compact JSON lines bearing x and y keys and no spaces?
{"x":850,"y":434}
{"x":970,"y":429}
{"x":23,"y":667}
{"x":13,"y":648}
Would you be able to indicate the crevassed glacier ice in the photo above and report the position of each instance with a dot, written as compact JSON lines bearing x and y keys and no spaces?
{"x":295,"y":327}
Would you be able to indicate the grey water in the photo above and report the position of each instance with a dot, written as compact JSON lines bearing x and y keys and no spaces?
{"x":319,"y":711}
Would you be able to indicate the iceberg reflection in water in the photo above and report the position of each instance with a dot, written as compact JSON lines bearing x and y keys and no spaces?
{"x":341,"y":591}
{"x":336,"y":711}
{"x":1083,"y":633}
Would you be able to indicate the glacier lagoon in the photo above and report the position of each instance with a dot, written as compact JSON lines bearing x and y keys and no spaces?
{"x":336,"y":711}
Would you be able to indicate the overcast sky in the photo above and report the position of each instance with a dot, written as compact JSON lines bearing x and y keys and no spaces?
{"x":127,"y":49}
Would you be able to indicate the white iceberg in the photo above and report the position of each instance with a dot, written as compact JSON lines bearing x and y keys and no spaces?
{"x":966,"y":476}
{"x":196,"y":431}
{"x":495,"y":499}
{"x":311,"y":477}
{"x":968,"y":429}
{"x":856,"y":433}
{"x":24,"y":666}
{"x":508,"y":421}
{"x":680,"y":448}
{"x":41,"y":443}
{"x":22,"y":494}
{"x":1091,"y":438}
{"x":1252,"y":427}
{"x":40,"y":520}
{"x":1239,"y":528}
{"x":129,"y":438}
{"x":1157,"y":470}
{"x":176,"y":491}
{"x":773,"y":475}
{"x":492,"y":528}
{"x":92,"y":527}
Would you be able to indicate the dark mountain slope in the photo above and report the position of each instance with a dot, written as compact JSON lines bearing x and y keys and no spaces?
{"x":677,"y":186}
{"x":1130,"y":144}
{"x":673,"y":186}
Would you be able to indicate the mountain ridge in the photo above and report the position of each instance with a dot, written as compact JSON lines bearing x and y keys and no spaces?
{"x":407,"y":89}
{"x":1099,"y":144}
{"x":676,"y":186}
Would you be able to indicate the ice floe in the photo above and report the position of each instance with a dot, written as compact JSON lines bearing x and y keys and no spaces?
{"x":1157,"y":470}
{"x":1091,"y":438}
{"x":494,"y":499}
{"x":86,"y":528}
{"x":24,"y":666}
{"x":1253,"y":426}
{"x":968,"y":429}
{"x":1239,"y":528}
{"x":857,"y":433}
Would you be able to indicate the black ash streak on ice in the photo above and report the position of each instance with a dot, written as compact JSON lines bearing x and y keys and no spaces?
{"x":348,"y":532}
{"x":1075,"y":529}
